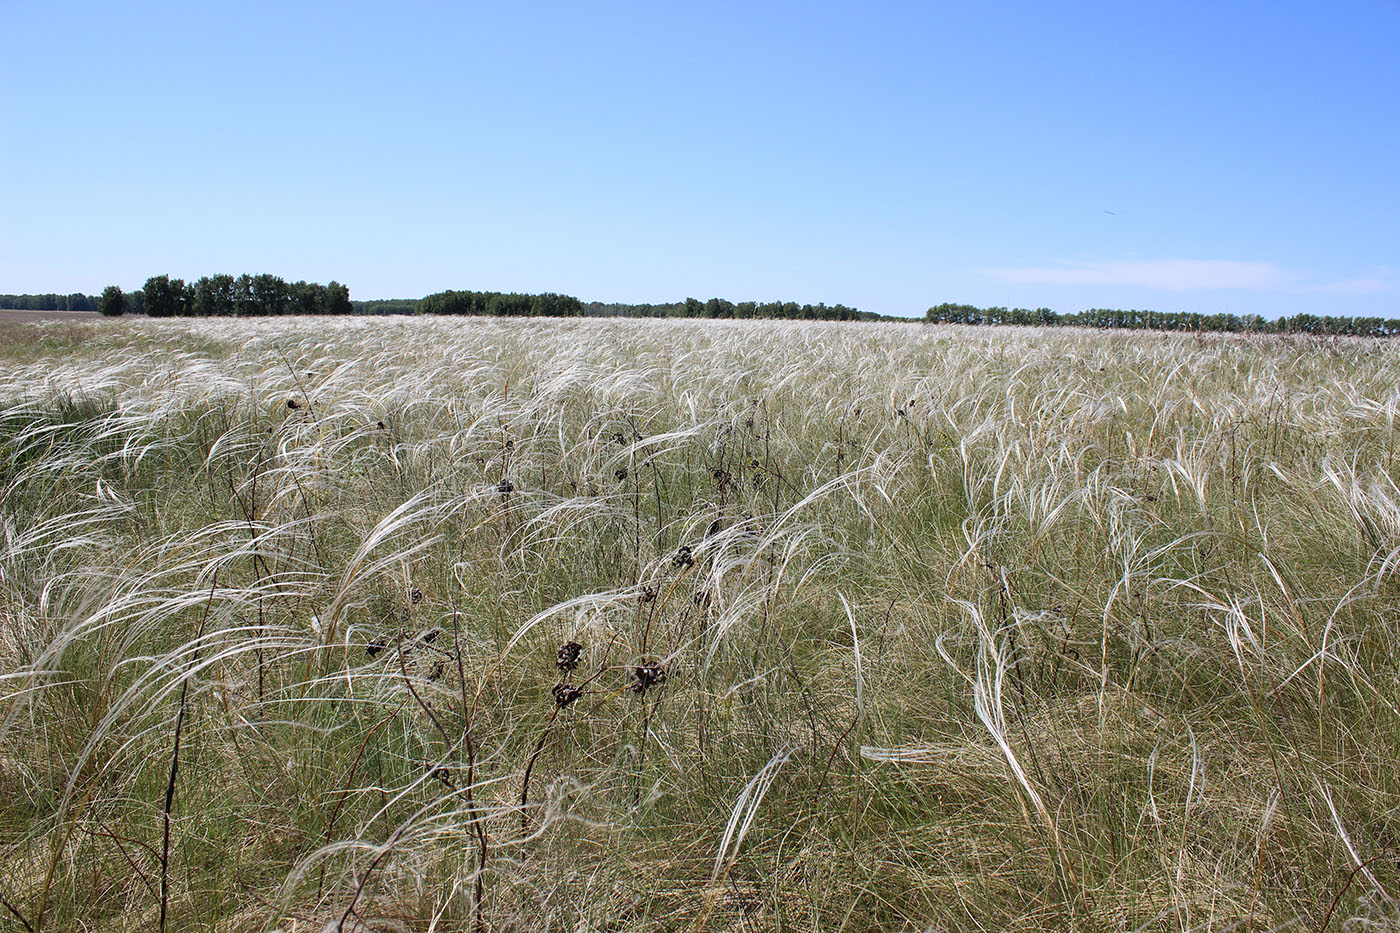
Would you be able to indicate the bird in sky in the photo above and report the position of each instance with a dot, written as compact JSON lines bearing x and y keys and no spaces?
{"x":1114,"y":213}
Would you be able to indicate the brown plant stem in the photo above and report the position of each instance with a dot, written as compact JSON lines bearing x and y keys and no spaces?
{"x":175,"y":768}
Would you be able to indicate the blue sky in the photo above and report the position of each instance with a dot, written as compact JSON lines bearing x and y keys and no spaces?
{"x":883,"y":155}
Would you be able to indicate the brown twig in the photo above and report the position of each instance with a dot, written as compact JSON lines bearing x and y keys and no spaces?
{"x":344,"y":791}
{"x":530,"y":766}
{"x":175,"y":767}
{"x":15,"y":910}
{"x":104,"y":831}
{"x":468,"y":711}
{"x":1327,"y":917}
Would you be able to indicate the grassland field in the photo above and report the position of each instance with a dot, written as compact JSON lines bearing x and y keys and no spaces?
{"x":424,"y":624}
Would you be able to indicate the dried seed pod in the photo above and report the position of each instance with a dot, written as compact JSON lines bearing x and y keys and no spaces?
{"x":683,"y":557}
{"x":647,"y":674}
{"x":373,"y":648}
{"x":415,"y":595}
{"x":566,"y":658}
{"x":293,"y":404}
{"x":505,"y":487}
{"x":620,"y":473}
{"x":436,"y":671}
{"x":565,"y":693}
{"x":430,"y":636}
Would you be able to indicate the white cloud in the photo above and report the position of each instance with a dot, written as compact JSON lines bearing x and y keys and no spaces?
{"x":1362,"y":286}
{"x":1177,"y":275}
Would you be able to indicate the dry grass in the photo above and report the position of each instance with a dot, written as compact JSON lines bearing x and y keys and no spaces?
{"x":882,"y":627}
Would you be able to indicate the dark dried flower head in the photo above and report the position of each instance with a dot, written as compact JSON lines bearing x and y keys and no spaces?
{"x":647,"y":595}
{"x":505,"y":487}
{"x":379,"y":425}
{"x":620,"y":473}
{"x":565,"y":693}
{"x":509,"y":444}
{"x":374,"y":648}
{"x":415,"y":595}
{"x":619,"y":438}
{"x":432,"y":634}
{"x":436,"y":671}
{"x":647,"y":674}
{"x":683,"y":556}
{"x":566,"y":659}
{"x":293,"y":404}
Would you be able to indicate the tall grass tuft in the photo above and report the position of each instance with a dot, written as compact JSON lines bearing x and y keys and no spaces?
{"x":429,"y":624}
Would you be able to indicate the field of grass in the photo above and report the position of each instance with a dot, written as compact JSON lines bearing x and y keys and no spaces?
{"x":878,"y":627}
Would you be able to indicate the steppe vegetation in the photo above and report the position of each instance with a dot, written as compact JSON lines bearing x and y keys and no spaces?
{"x":568,"y":625}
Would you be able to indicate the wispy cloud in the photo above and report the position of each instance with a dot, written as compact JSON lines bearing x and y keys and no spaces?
{"x":1361,"y":286}
{"x":1177,"y":275}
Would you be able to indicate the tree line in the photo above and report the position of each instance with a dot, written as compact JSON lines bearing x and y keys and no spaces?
{"x":501,"y":304}
{"x":1323,"y":325}
{"x":743,"y":310}
{"x":269,"y":295}
{"x":49,"y":302}
{"x":226,"y":296}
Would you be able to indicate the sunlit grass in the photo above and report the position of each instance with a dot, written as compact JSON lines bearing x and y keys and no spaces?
{"x":880,"y":627}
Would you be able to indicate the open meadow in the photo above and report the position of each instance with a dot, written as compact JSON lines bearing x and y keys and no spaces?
{"x":582,"y":625}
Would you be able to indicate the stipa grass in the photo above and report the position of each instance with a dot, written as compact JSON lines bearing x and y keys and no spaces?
{"x":567,"y":625}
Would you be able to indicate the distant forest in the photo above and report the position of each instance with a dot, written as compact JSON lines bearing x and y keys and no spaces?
{"x":49,"y":302}
{"x":500,"y":304}
{"x":1167,"y":320}
{"x":720,"y":308}
{"x":269,"y":295}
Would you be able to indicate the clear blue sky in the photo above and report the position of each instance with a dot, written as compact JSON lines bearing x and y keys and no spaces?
{"x":883,"y":155}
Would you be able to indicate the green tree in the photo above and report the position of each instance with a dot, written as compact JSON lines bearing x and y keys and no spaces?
{"x":213,"y":296}
{"x":271,"y":295}
{"x":113,"y":302}
{"x":166,"y":297}
{"x":337,"y":299}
